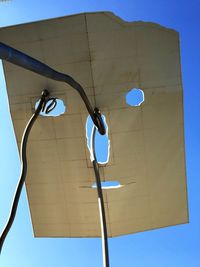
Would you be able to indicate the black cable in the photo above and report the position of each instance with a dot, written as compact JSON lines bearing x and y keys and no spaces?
{"x":42,"y":104}
{"x":104,"y":235}
{"x":51,"y":106}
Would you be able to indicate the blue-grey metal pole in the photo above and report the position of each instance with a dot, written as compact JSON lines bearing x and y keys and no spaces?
{"x":102,"y":214}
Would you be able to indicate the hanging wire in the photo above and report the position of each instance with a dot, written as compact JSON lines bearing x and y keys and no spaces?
{"x":42,"y":106}
{"x":102,"y":215}
{"x":51,"y":106}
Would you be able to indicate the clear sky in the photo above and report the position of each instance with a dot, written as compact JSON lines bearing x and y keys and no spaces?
{"x":168,"y":247}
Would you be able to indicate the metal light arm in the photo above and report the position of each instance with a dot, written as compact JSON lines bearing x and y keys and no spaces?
{"x":19,"y":58}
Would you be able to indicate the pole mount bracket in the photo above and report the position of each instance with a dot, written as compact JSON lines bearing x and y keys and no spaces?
{"x":98,"y":121}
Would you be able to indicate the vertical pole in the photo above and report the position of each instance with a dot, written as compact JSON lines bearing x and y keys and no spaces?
{"x":102,"y":214}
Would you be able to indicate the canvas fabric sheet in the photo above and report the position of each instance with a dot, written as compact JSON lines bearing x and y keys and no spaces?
{"x":108,"y":57}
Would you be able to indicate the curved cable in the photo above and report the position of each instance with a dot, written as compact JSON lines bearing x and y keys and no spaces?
{"x":51,"y":106}
{"x":23,"y":160}
{"x":104,"y":235}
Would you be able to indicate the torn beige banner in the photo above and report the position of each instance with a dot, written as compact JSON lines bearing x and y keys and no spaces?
{"x":108,"y":57}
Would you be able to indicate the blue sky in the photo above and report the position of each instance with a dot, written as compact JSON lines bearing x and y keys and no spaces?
{"x":168,"y":247}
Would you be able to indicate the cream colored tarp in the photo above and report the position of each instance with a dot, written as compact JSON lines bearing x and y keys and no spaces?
{"x":108,"y":57}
